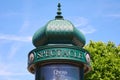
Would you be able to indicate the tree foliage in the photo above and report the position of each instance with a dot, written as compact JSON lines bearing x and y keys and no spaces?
{"x":105,"y":61}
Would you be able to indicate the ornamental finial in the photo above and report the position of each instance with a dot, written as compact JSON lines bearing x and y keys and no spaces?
{"x":59,"y":12}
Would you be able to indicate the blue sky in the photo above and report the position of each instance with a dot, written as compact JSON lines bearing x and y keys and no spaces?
{"x":99,"y":20}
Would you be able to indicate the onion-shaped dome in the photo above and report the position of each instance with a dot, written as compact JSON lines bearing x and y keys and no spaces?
{"x":58,"y":31}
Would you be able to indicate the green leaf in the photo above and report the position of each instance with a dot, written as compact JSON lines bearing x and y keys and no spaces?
{"x":105,"y":59}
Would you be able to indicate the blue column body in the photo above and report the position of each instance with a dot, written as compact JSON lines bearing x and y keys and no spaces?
{"x":59,"y":72}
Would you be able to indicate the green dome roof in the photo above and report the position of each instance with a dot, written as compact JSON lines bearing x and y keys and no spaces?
{"x":58,"y":31}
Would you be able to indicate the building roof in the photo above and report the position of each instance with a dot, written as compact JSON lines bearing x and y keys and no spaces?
{"x":58,"y":31}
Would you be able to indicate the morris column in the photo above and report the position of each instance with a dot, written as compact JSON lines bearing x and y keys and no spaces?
{"x":59,"y":53}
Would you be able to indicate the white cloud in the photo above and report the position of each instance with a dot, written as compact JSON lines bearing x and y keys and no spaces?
{"x":12,"y":69}
{"x":87,"y":30}
{"x":13,"y":50}
{"x":8,"y":73}
{"x":80,"y":21}
{"x":25,"y":26}
{"x":83,"y":25}
{"x":16,"y":42}
{"x":15,"y":38}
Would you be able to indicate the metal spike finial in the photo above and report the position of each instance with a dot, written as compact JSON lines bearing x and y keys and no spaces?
{"x":59,"y":12}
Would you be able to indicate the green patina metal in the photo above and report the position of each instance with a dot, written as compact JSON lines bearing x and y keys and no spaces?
{"x":59,"y":12}
{"x":58,"y":31}
{"x":58,"y":42}
{"x":44,"y":54}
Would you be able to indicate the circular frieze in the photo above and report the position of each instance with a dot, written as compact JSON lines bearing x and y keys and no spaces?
{"x":58,"y":53}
